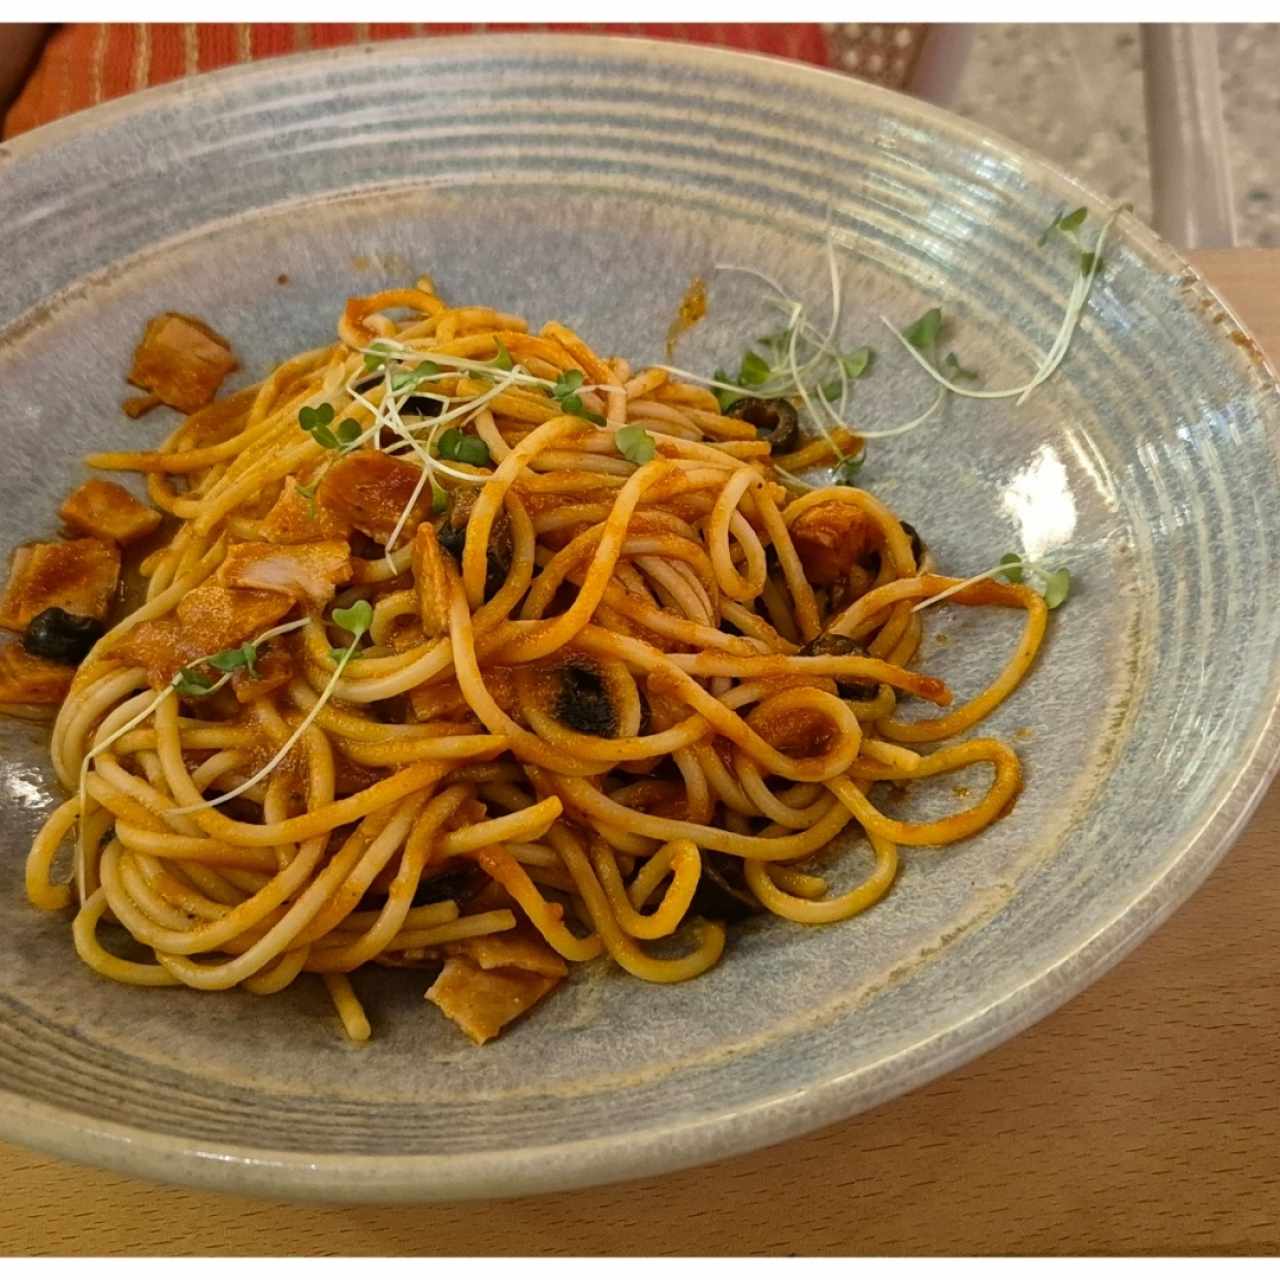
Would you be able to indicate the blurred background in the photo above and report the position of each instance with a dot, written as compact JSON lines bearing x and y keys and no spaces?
{"x":1179,"y":119}
{"x":1074,"y":92}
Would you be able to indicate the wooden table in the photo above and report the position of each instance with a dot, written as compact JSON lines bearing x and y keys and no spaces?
{"x":1144,"y":1117}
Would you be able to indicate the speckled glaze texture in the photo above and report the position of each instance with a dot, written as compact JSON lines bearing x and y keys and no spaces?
{"x":587,"y":180}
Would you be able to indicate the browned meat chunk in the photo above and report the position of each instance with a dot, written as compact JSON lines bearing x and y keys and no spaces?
{"x":369,"y":491}
{"x":481,"y":1001}
{"x":104,"y":509}
{"x":308,"y":571}
{"x":431,"y":575}
{"x":295,"y":519}
{"x":30,"y":681}
{"x":521,"y":949}
{"x":275,"y":669}
{"x":181,"y":361}
{"x":830,"y":539}
{"x":79,"y":576}
{"x":209,"y":619}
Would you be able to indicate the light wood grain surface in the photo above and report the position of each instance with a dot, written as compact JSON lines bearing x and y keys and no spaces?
{"x":1144,"y":1117}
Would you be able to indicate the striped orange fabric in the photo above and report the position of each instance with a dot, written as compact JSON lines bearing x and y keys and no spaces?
{"x":86,"y":63}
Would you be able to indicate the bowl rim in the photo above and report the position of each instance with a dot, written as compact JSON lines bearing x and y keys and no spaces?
{"x":682,"y":1143}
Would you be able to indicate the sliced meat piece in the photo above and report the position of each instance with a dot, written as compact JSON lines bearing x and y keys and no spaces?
{"x":304,"y":571}
{"x":104,"y":509}
{"x":434,"y":702}
{"x":209,"y":619}
{"x":295,"y":518}
{"x":214,"y":617}
{"x":431,"y":575}
{"x":26,"y":680}
{"x":275,"y":669}
{"x":79,"y":576}
{"x":406,"y":634}
{"x":429,"y":703}
{"x":521,"y":949}
{"x":369,"y":491}
{"x":482,"y":1002}
{"x":181,"y":361}
{"x":830,"y":539}
{"x":157,"y":646}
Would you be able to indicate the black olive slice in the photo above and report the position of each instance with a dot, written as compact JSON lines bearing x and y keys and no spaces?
{"x":917,"y":542}
{"x":717,"y":898}
{"x":61,"y":636}
{"x":422,"y":406}
{"x":583,"y":703}
{"x":827,"y":645}
{"x":774,"y":420}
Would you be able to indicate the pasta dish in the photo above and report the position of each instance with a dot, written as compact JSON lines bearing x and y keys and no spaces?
{"x":463,"y":648}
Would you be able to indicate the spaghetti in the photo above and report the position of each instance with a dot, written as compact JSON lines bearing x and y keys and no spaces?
{"x":468,"y":647}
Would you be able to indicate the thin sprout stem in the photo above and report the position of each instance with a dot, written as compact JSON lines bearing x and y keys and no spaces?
{"x":907,"y":426}
{"x":292,"y":739}
{"x":168,"y":690}
{"x":795,"y":479}
{"x":968,"y":582}
{"x":1053,"y":357}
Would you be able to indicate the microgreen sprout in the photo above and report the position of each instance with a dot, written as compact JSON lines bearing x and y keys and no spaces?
{"x":804,"y":362}
{"x":565,"y":390}
{"x":635,"y":444}
{"x":376,"y":356}
{"x":847,"y":470}
{"x":356,"y":619}
{"x":1090,"y":261}
{"x":318,"y":424}
{"x":408,"y":379}
{"x":1053,"y":584}
{"x":457,"y":447}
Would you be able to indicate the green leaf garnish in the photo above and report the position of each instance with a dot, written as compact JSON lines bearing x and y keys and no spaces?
{"x":439,"y":499}
{"x":566,"y":384}
{"x":956,"y":371}
{"x":574,"y":405}
{"x":233,"y":659}
{"x":754,"y":372}
{"x":566,"y":392}
{"x":1087,"y":258}
{"x":1012,"y":572}
{"x":315,"y":422}
{"x":404,"y":379}
{"x":848,"y":469}
{"x":1067,"y":223}
{"x":372,"y":362}
{"x":311,"y":420}
{"x":1050,"y":229}
{"x":1057,"y":586}
{"x":356,"y":618}
{"x":503,"y":359}
{"x":190,"y":683}
{"x":457,"y":447}
{"x":726,"y":399}
{"x":830,"y":391}
{"x":923,"y":335}
{"x":635,"y":444}
{"x":1073,"y":221}
{"x":338,"y":654}
{"x":856,"y":363}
